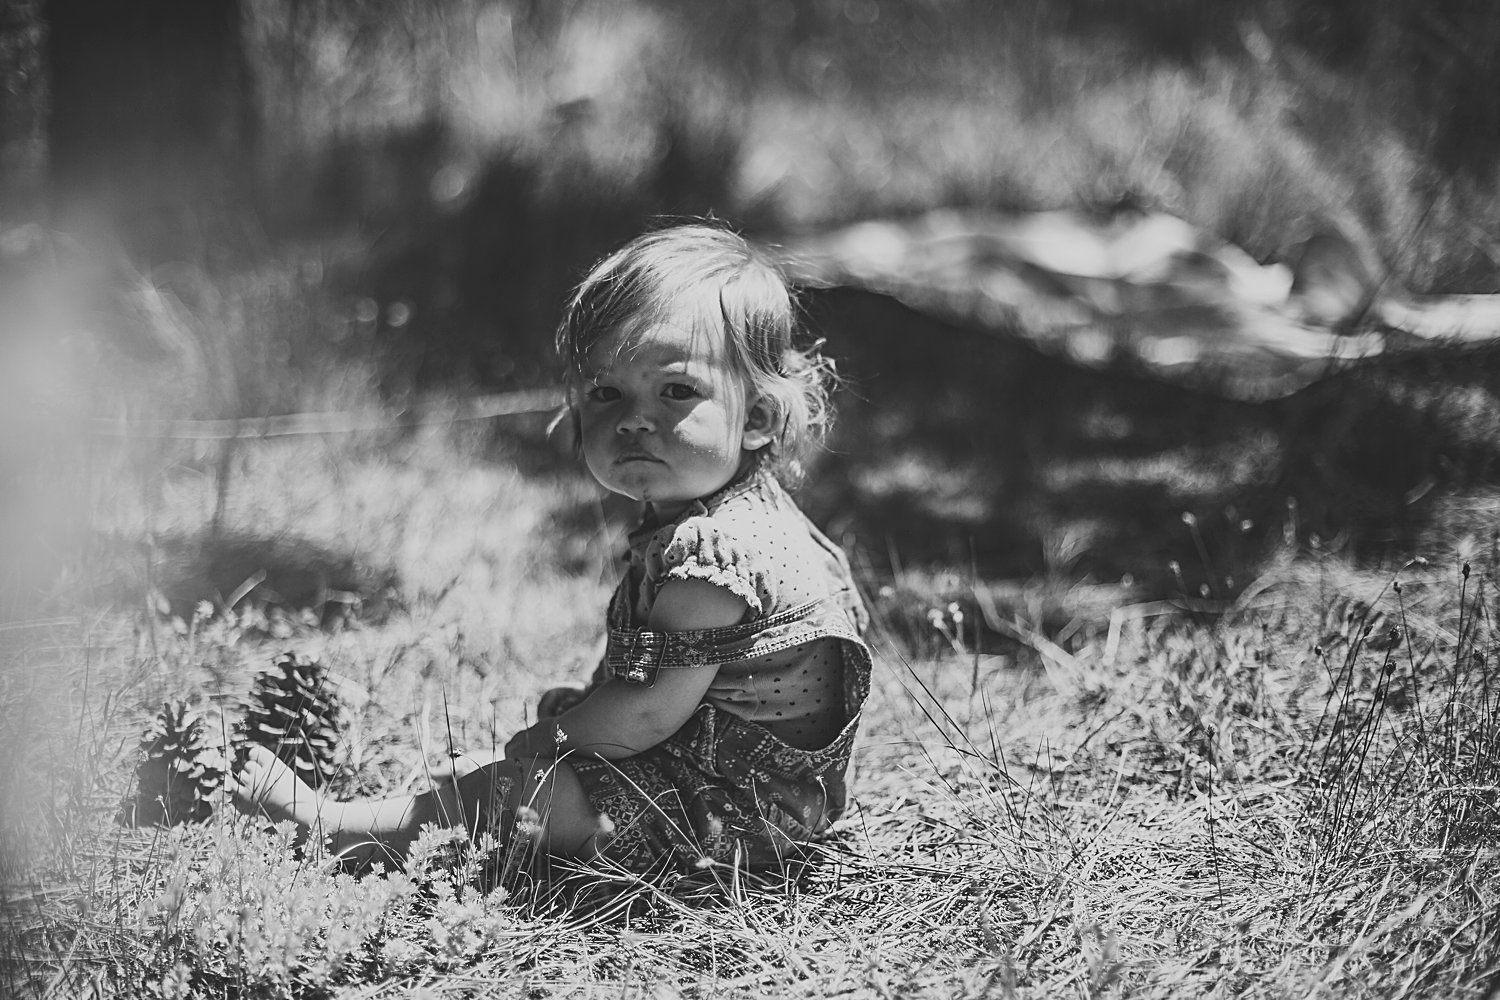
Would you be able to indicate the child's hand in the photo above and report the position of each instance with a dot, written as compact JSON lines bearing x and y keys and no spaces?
{"x":558,"y":700}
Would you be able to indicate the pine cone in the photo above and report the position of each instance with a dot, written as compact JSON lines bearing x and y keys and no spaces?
{"x":297,"y":714}
{"x":178,"y":775}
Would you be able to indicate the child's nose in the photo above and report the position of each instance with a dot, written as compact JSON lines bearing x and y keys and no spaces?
{"x":633,"y":420}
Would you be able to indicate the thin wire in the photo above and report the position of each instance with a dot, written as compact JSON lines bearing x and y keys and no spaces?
{"x":332,"y":422}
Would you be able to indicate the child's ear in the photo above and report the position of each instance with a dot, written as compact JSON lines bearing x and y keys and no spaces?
{"x":760,"y":425}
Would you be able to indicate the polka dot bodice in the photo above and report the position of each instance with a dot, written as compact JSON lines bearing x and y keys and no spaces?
{"x":784,"y":665}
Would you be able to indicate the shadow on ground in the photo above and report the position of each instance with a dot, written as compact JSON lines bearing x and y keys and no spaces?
{"x":967,"y":451}
{"x":283,"y":576}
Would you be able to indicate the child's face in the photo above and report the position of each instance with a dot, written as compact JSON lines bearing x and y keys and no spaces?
{"x":664,"y":418}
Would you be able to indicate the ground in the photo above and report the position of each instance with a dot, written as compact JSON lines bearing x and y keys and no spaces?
{"x":1252,"y":797}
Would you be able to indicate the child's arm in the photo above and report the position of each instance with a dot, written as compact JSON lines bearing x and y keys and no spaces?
{"x":619,"y":719}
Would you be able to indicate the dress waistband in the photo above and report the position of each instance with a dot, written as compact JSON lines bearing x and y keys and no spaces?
{"x":638,"y":655}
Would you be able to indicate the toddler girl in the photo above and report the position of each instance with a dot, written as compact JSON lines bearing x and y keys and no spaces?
{"x":718,"y":727}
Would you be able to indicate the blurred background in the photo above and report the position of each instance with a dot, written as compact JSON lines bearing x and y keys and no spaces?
{"x":234,"y":209}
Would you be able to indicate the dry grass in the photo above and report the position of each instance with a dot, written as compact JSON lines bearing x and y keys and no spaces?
{"x":1260,"y":800}
{"x":1237,"y":804}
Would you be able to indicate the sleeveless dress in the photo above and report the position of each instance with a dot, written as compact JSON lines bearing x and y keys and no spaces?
{"x":759,"y":769}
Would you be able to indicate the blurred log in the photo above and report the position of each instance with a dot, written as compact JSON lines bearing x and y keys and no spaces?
{"x":23,"y":102}
{"x":1143,"y":291}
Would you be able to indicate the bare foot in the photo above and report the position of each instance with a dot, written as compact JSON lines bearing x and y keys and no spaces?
{"x":266,"y":786}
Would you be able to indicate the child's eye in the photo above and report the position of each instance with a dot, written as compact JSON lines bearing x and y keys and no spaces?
{"x":603,"y":394}
{"x":679,"y":391}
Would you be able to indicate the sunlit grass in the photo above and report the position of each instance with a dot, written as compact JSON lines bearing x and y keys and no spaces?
{"x":1154,"y":805}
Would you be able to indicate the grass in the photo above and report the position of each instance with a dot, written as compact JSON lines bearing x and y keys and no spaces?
{"x":1295,"y":794}
{"x":1138,"y":726}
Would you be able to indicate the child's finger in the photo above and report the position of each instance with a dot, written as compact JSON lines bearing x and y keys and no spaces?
{"x":257,"y":754}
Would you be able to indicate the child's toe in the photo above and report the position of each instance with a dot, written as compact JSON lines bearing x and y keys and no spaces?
{"x":257,"y":754}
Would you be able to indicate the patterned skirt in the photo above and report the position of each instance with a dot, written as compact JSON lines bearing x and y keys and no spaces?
{"x":720,"y":791}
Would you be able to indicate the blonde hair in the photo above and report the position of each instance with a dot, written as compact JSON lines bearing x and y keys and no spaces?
{"x":704,"y":276}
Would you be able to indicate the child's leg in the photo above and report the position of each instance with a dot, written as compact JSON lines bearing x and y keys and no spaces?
{"x":490,"y":798}
{"x":485,"y":799}
{"x":459,"y":764}
{"x":365,"y":829}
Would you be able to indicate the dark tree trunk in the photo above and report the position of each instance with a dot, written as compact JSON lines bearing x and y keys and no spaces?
{"x":150,"y":124}
{"x":22,"y":111}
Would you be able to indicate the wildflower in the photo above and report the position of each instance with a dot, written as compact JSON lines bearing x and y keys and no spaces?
{"x":559,"y":737}
{"x":171,"y":899}
{"x":399,"y":953}
{"x":528,"y":822}
{"x":178,"y":982}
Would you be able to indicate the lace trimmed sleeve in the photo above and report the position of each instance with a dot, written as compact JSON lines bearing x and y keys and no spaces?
{"x":701,"y":549}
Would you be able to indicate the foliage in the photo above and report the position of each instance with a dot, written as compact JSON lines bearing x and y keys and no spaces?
{"x":243,"y":913}
{"x":497,"y":149}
